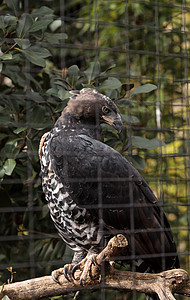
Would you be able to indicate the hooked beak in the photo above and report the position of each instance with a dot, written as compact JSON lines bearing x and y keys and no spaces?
{"x":114,"y":122}
{"x":118,"y":125}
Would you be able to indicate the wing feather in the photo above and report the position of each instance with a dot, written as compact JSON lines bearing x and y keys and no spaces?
{"x":97,"y":175}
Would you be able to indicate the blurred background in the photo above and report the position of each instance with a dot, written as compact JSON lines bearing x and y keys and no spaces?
{"x":137,"y":53}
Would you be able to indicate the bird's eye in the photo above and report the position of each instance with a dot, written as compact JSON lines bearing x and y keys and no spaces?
{"x":105,"y":110}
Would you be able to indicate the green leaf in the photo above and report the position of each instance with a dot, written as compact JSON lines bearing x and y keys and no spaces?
{"x":107,"y":70}
{"x":111,"y":83}
{"x":42,"y":11}
{"x":60,"y":82}
{"x":2,"y":172}
{"x":110,"y":68}
{"x":2,"y":22}
{"x":73,"y":74}
{"x":7,"y":56}
{"x":10,"y":23}
{"x":92,"y":71}
{"x":11,"y":148}
{"x":43,"y":52}
{"x":36,"y":97}
{"x":112,"y":94}
{"x":130,"y":119}
{"x":33,"y":58}
{"x":1,"y":67}
{"x":124,"y":102}
{"x":38,"y":121}
{"x":36,"y":55}
{"x":62,"y":94}
{"x":73,"y":71}
{"x":38,"y":112}
{"x":143,"y":143}
{"x":2,"y":256}
{"x":60,"y":107}
{"x":55,"y":25}
{"x":19,"y":130}
{"x":54,"y":38}
{"x":52,"y":92}
{"x":23,"y":43}
{"x":40,"y":25}
{"x":13,"y":5}
{"x":137,"y":161}
{"x":24,"y":24}
{"x":146,"y":88}
{"x":9,"y":166}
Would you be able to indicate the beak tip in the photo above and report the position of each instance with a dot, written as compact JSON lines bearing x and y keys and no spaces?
{"x":118,"y":125}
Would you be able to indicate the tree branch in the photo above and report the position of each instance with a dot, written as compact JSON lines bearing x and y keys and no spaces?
{"x":164,"y":283}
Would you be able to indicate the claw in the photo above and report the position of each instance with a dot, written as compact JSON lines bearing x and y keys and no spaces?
{"x":76,"y":267}
{"x":69,"y":270}
{"x":93,"y":260}
{"x":55,"y":274}
{"x":65,"y":272}
{"x":53,"y":277}
{"x":81,"y":284}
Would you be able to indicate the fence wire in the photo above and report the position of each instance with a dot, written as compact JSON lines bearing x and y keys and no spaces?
{"x":149,"y":42}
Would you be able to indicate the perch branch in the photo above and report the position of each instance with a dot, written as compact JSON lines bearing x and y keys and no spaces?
{"x":164,"y":283}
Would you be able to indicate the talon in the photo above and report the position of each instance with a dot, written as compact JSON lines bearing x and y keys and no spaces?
{"x":81,"y":280}
{"x":93,"y":260}
{"x":65,"y":272}
{"x":76,"y":267}
{"x":55,"y":275}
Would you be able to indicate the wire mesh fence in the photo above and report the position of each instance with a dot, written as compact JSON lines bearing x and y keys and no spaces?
{"x":50,"y":48}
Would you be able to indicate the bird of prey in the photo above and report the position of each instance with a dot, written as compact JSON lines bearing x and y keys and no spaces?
{"x":94,"y":193}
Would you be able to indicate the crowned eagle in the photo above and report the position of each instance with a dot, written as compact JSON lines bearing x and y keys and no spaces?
{"x":94,"y":193}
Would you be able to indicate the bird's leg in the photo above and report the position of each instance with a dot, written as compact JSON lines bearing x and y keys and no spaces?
{"x":70,"y":270}
{"x":85,"y":266}
{"x":91,"y":264}
{"x":89,"y":267}
{"x":67,"y":269}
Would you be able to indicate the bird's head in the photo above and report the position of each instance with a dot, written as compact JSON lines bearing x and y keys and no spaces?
{"x":88,"y":104}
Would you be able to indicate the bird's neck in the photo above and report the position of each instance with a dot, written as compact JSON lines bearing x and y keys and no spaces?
{"x":80,"y":126}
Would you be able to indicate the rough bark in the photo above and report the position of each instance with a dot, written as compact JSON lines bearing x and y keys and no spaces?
{"x":164,"y":283}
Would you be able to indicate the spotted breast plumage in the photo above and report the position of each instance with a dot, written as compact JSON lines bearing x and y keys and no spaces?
{"x":93,"y":192}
